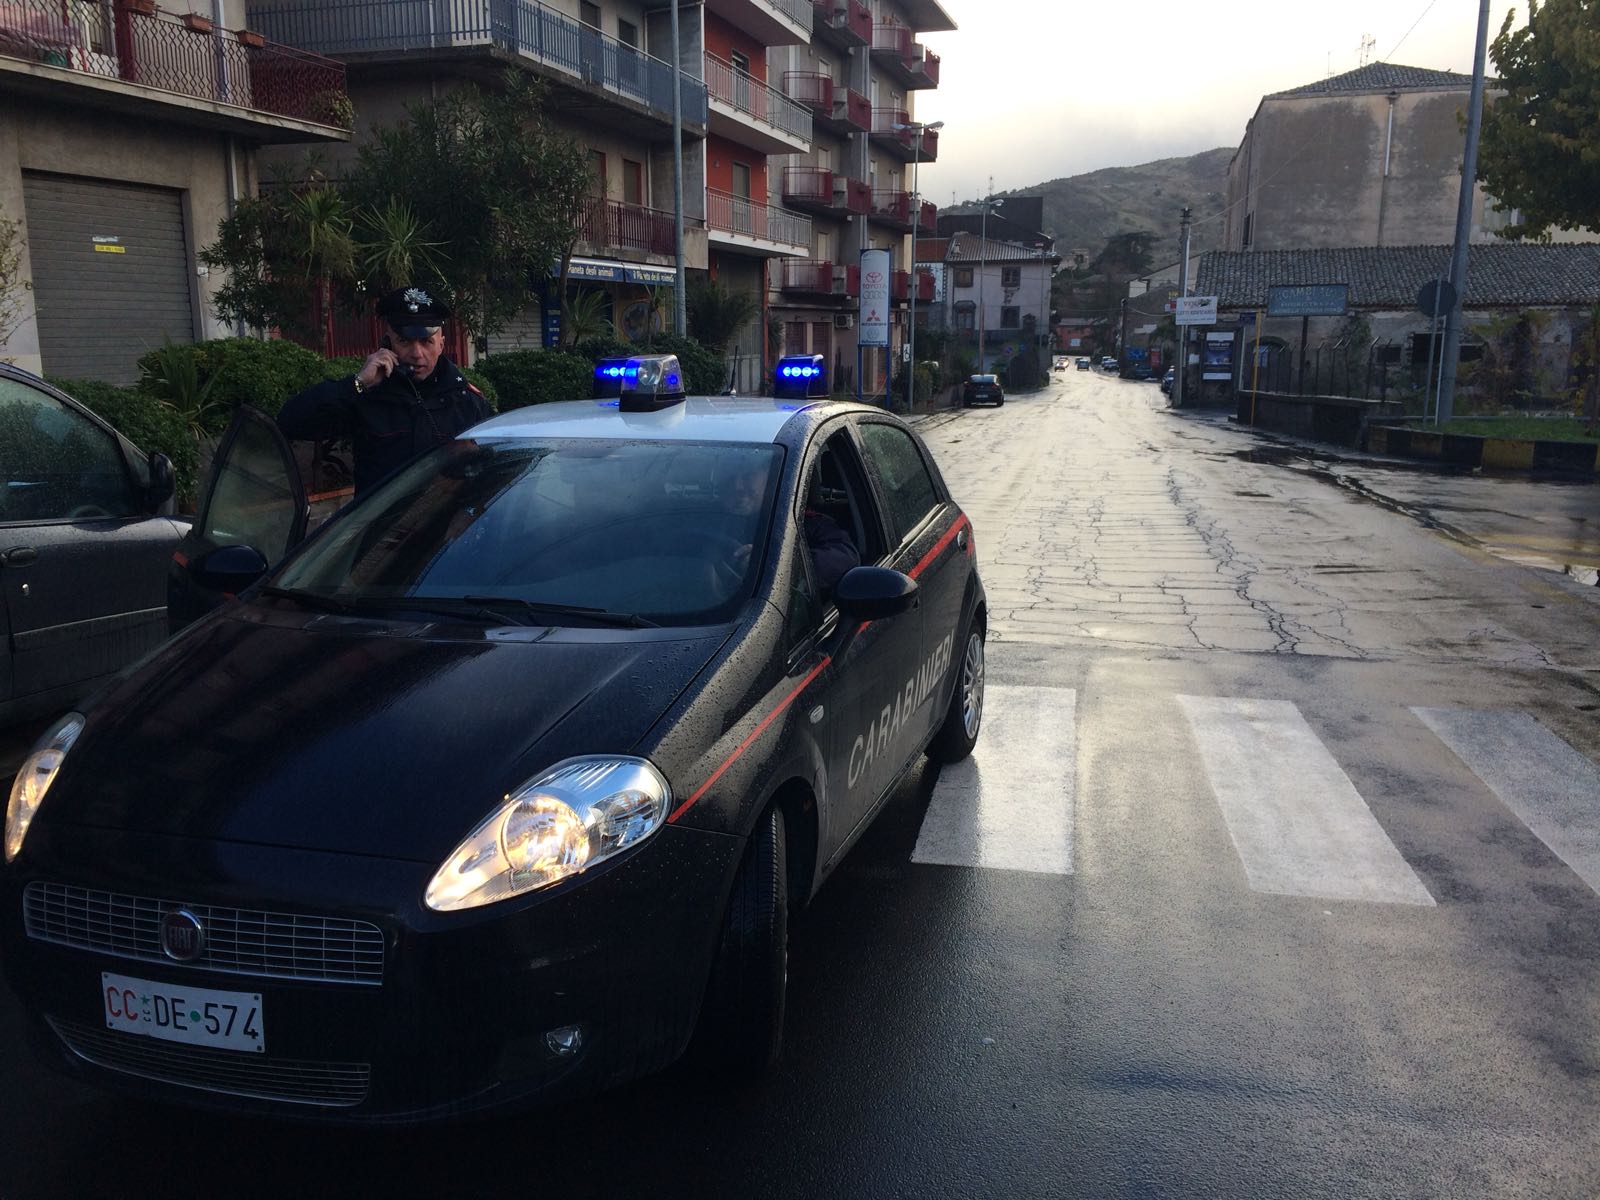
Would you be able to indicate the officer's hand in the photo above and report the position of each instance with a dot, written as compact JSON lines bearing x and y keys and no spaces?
{"x":377,"y":368}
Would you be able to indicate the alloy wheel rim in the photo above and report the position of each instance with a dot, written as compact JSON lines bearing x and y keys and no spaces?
{"x":972,"y":685}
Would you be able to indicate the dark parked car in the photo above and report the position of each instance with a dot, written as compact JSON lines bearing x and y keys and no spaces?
{"x":1083,"y":364}
{"x":505,"y":782}
{"x":1166,"y":382}
{"x":1141,"y":371}
{"x":982,"y":389}
{"x":86,"y":533}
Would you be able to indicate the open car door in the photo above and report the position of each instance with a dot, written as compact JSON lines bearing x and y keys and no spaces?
{"x":253,"y":511}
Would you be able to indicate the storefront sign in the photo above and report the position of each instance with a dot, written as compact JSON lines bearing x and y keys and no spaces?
{"x":875,"y":266}
{"x":1315,"y":300}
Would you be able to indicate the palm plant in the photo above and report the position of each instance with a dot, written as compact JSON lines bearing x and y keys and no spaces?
{"x":392,"y":247}
{"x":585,"y":317}
{"x":174,"y":377}
{"x":716,"y":314}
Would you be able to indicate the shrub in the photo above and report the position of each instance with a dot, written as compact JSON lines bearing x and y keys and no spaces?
{"x":147,"y":423}
{"x":705,"y":373}
{"x":523,"y":377}
{"x":262,"y":374}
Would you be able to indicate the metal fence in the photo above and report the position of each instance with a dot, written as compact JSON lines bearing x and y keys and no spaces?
{"x":524,"y":27}
{"x":736,"y":214}
{"x":614,"y":224}
{"x":187,"y":58}
{"x":757,"y":100}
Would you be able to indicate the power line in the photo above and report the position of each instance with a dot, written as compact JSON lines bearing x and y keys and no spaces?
{"x":1389,"y":57}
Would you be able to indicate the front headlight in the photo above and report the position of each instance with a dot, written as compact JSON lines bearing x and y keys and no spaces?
{"x":579,"y":812}
{"x":34,"y":779}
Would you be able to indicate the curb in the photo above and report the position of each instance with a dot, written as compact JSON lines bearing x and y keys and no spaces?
{"x":1469,"y":450}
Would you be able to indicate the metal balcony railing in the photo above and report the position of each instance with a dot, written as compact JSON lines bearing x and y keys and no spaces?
{"x":158,"y":51}
{"x":811,"y":88}
{"x":925,"y":71}
{"x":854,"y":197}
{"x":899,"y":285}
{"x":526,"y":28}
{"x":925,"y":287}
{"x":798,"y":11}
{"x":726,"y":213}
{"x":755,"y":99}
{"x":614,"y":224}
{"x":849,"y":21}
{"x":808,"y":185}
{"x":811,"y":275}
{"x":891,"y":207}
{"x":893,"y":41}
{"x":927,"y":217}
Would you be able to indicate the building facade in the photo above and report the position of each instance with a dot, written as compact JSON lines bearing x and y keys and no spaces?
{"x":859,"y":75}
{"x":992,"y":292}
{"x":127,"y":131}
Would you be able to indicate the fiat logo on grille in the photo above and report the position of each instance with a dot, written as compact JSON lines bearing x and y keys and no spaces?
{"x":182,"y":935}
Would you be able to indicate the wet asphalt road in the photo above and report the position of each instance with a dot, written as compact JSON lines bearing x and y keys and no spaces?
{"x":1141,"y":1020}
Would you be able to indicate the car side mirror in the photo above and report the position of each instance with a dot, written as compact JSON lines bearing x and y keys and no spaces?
{"x":873,"y":593}
{"x":162,"y":483}
{"x":229,"y":569}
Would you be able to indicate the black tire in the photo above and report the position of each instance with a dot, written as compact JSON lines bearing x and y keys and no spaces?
{"x":964,"y":718}
{"x":741,"y":1022}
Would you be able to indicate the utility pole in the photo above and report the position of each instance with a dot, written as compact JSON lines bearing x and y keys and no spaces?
{"x":680,"y":316}
{"x":1458,"y":263}
{"x":983,"y":271}
{"x":1043,"y":328}
{"x":917,"y":129}
{"x":1182,"y":366}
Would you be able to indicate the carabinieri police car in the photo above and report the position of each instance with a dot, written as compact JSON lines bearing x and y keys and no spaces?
{"x":502,"y":785}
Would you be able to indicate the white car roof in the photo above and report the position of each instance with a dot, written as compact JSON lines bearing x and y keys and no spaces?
{"x":697,"y":419}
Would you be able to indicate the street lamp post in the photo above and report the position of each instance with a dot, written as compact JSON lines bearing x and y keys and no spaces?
{"x":679,"y":307}
{"x":917,"y":128}
{"x":983,"y":271}
{"x":1043,"y":328}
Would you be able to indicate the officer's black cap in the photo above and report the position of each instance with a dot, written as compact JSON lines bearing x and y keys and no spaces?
{"x":412,"y":312}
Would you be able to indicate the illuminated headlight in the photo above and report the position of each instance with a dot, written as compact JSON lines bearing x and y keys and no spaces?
{"x":578,"y":813}
{"x":34,"y":779}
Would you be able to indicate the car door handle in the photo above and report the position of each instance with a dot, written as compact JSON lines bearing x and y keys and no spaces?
{"x":961,"y":540}
{"x":18,"y":556}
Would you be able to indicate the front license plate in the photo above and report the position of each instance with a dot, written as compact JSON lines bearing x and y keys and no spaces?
{"x":175,"y":1013}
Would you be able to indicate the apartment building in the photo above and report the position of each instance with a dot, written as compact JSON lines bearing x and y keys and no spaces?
{"x":127,"y":131}
{"x":993,"y":290}
{"x":859,"y":75}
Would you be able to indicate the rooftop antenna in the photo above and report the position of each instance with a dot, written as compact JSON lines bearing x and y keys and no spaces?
{"x":1368,"y":45}
{"x":1329,"y":75}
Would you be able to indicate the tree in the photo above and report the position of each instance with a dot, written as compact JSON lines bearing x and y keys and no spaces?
{"x":1540,"y":155}
{"x":716,"y":313}
{"x":492,"y":183}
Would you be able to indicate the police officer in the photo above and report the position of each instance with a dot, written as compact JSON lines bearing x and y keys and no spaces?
{"x":406,"y":399}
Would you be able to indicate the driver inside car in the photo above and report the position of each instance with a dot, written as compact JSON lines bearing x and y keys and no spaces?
{"x":832,"y":551}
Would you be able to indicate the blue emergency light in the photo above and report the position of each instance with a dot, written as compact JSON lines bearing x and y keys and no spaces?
{"x":800,"y":376}
{"x":608,"y":373}
{"x":651,"y":382}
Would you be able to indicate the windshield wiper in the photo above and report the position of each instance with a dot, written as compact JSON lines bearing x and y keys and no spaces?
{"x":538,"y":608}
{"x":309,"y":599}
{"x":368,"y":605}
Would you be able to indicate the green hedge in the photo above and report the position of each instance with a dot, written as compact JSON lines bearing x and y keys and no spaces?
{"x":238,"y":371}
{"x":147,"y":423}
{"x":524,"y":377}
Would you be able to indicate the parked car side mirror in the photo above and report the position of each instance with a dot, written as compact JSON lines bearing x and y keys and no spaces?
{"x":229,"y":569}
{"x":873,"y":593}
{"x":162,"y":483}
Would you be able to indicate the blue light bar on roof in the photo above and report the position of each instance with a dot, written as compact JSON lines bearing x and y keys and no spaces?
{"x":608,"y":373}
{"x":800,"y":376}
{"x":651,"y":382}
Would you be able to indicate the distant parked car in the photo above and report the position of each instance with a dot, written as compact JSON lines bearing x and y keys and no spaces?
{"x":982,"y":389}
{"x":1108,"y":363}
{"x":1166,"y":381}
{"x":85,"y":538}
{"x":1060,"y":364}
{"x":1141,"y":371}
{"x":1083,"y":364}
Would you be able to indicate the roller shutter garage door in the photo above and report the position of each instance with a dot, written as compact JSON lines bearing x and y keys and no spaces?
{"x":110,"y":273}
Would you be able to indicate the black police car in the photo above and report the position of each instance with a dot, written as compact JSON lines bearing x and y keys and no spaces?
{"x":504,"y":783}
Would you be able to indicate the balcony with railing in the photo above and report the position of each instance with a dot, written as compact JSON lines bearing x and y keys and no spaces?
{"x":812,"y":89}
{"x":555,"y":44}
{"x":842,"y":23}
{"x":749,"y":111}
{"x":741,"y":223}
{"x":891,"y":208}
{"x":770,"y":22}
{"x":899,"y":142}
{"x":615,"y":225}
{"x":891,"y":43}
{"x":809,"y":276}
{"x":847,"y":280}
{"x":924,"y":70}
{"x":899,"y":285}
{"x":238,"y":77}
{"x":820,"y":190}
{"x":925,"y":287}
{"x":928,"y":217}
{"x":832,"y":105}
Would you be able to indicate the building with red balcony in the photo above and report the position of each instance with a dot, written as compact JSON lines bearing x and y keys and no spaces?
{"x":858,"y":76}
{"x":127,"y":133}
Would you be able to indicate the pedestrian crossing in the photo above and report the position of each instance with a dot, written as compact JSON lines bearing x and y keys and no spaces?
{"x":1297,"y":823}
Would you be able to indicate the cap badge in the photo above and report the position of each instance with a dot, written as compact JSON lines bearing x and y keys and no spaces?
{"x":415,"y":298}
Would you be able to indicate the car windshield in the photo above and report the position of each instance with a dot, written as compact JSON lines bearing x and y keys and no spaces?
{"x":631,"y":532}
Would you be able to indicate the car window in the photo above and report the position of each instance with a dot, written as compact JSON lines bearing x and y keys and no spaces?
{"x":253,"y":502}
{"x":907,"y":486}
{"x":805,"y":611}
{"x":671,"y":532}
{"x":59,"y":465}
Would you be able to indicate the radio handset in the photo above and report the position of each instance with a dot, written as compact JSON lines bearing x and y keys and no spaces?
{"x":402,"y":369}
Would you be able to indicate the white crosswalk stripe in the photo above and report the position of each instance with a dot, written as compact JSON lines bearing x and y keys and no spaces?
{"x":1013,"y":804}
{"x":1297,"y":822}
{"x":1553,"y":789}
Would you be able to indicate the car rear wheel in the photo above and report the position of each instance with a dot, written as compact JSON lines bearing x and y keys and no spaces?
{"x":962,"y":720}
{"x":741,"y":1022}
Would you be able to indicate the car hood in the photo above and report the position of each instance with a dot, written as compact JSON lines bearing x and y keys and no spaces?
{"x":356,"y":736}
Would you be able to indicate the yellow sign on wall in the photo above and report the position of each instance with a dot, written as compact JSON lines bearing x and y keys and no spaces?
{"x":103,"y":248}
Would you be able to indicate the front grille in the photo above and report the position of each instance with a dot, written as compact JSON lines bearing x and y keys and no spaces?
{"x":228,"y":1072}
{"x":238,"y":941}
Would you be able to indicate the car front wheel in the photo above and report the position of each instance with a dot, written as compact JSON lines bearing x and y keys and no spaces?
{"x":741,"y":1022}
{"x":962,"y":720}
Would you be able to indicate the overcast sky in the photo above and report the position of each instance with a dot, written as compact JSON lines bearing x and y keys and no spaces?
{"x":1032,"y":90}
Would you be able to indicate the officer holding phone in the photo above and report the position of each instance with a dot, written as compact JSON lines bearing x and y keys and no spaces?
{"x":406,"y":399}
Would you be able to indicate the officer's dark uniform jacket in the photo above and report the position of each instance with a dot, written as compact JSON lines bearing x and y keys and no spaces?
{"x":390,"y":424}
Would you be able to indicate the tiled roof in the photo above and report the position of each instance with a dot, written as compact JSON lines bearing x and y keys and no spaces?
{"x":1504,"y":275}
{"x":965,"y":248}
{"x":1382,"y":77}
